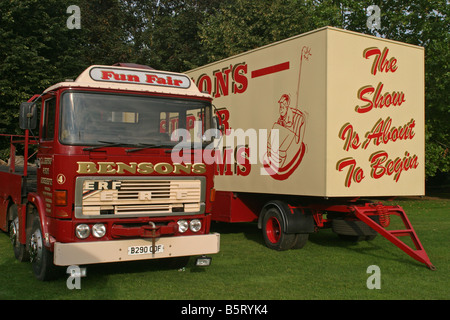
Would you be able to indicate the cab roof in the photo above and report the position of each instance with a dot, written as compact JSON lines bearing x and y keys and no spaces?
{"x":136,"y":78}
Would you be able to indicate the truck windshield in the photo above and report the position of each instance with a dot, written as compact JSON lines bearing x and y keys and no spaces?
{"x":94,"y":119}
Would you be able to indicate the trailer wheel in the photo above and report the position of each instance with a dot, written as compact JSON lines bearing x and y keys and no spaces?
{"x":274,"y":236}
{"x":41,"y":258}
{"x":353,"y":230}
{"x":20,"y":251}
{"x":300,"y":240}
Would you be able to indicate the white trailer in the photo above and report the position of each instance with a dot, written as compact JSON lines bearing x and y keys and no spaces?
{"x":313,"y":124}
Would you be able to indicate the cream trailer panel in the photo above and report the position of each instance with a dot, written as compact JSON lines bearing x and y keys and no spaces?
{"x":329,"y":113}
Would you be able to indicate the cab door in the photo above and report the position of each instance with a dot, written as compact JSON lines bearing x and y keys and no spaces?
{"x":46,"y":151}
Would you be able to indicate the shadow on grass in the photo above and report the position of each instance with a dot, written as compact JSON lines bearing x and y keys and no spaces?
{"x":379,"y":248}
{"x":248,"y":229}
{"x":135,"y":267}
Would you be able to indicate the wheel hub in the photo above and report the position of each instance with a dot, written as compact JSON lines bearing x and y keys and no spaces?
{"x":13,"y":234}
{"x":35,"y":246}
{"x":273,"y":230}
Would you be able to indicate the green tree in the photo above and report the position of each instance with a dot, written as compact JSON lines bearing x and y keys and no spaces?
{"x":32,"y":52}
{"x":104,"y":37}
{"x":174,"y":39}
{"x":241,"y":25}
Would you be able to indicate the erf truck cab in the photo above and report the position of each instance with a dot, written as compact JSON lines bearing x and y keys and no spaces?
{"x":104,"y":187}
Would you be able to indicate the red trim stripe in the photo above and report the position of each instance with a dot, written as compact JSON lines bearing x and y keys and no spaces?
{"x":269,"y":70}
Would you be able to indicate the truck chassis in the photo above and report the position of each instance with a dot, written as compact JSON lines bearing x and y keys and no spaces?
{"x":287,"y":222}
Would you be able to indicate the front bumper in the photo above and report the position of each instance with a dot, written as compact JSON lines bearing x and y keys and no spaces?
{"x":80,"y":253}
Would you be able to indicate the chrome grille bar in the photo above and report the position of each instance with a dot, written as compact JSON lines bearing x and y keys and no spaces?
{"x":138,"y":196}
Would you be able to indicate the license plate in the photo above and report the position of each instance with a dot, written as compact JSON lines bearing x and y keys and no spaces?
{"x":136,"y":250}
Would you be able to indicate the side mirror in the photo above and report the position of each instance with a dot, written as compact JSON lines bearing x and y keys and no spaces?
{"x":217,"y":127}
{"x":28,"y":116}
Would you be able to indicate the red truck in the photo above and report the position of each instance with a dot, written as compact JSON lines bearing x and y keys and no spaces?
{"x":103,"y":187}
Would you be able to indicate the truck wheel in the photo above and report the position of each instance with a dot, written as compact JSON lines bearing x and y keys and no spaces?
{"x":274,"y":236}
{"x":300,"y":240}
{"x":20,"y":251}
{"x":41,"y":258}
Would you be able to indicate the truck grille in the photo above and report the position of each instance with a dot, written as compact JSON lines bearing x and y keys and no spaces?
{"x":136,"y":196}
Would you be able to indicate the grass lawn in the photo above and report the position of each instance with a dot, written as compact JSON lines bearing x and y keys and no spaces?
{"x":326,"y":268}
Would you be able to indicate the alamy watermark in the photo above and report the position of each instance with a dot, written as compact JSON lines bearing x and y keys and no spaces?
{"x":374,"y":280}
{"x":374,"y":20}
{"x":235,"y":147}
{"x":75,"y":275}
{"x":74,"y":21}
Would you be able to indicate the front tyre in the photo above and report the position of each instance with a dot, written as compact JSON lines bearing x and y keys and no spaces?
{"x":40,"y":257}
{"x":274,"y":235}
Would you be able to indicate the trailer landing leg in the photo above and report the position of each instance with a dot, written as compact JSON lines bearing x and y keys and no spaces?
{"x":418,"y":254}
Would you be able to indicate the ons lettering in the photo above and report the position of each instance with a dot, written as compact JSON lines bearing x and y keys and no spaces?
{"x":140,"y":168}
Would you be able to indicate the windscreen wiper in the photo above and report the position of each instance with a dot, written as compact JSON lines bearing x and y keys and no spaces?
{"x":147,"y":146}
{"x":107,"y":144}
{"x":186,"y":146}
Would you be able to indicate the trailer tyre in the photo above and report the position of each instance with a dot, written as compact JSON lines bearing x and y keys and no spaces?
{"x":301,"y":239}
{"x":20,"y":251}
{"x":353,"y":230}
{"x":41,"y":258}
{"x":274,"y":235}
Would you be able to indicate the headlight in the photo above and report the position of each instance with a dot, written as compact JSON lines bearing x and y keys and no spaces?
{"x":98,"y":230}
{"x":195,"y":225}
{"x":82,"y":231}
{"x":183,"y":225}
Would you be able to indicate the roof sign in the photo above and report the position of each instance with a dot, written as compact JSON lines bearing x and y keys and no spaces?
{"x":140,"y":77}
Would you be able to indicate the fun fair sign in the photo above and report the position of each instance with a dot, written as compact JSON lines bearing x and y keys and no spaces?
{"x":152,"y":78}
